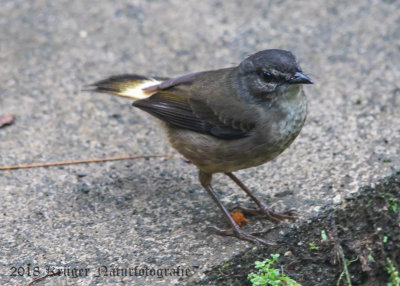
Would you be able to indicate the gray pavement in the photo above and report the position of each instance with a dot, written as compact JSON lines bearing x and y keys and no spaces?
{"x":153,"y":213}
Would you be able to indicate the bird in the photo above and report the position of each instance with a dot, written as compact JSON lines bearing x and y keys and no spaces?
{"x":226,"y":120}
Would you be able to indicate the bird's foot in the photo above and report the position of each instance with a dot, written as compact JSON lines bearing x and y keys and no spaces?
{"x":242,"y":235}
{"x":269,"y":214}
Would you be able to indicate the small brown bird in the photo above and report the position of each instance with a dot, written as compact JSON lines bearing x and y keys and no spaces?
{"x":226,"y":120}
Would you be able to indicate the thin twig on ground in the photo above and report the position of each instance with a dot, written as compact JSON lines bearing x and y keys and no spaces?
{"x":41,"y":278}
{"x":3,"y":168}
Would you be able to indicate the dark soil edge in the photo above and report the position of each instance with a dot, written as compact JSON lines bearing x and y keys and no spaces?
{"x":364,"y":227}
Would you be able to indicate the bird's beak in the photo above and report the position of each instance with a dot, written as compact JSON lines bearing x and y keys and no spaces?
{"x":300,"y":78}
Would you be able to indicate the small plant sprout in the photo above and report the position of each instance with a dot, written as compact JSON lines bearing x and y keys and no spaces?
{"x":394,"y":277}
{"x":267,"y":275}
{"x":313,"y":247}
{"x":323,"y":235}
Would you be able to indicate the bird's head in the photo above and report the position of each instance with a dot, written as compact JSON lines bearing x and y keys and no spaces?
{"x":267,"y":72}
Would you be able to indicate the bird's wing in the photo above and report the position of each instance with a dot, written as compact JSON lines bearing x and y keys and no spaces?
{"x":181,"y":106}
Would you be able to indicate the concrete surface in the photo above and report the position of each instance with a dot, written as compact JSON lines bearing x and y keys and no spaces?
{"x":154,"y":213}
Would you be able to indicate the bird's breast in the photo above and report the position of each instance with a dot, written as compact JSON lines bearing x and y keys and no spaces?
{"x":293,"y":108}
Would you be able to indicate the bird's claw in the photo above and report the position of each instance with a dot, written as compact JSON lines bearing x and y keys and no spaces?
{"x":242,"y":235}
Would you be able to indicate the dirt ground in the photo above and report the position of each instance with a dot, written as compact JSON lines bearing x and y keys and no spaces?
{"x":365,"y":229}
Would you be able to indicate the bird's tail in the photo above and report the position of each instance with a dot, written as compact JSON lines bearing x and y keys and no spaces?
{"x":128,"y":85}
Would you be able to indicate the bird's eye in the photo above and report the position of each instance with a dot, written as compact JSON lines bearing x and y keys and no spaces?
{"x":268,"y":76}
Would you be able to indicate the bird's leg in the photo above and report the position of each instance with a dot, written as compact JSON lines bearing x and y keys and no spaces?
{"x":205,"y":180}
{"x":262,"y":207}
